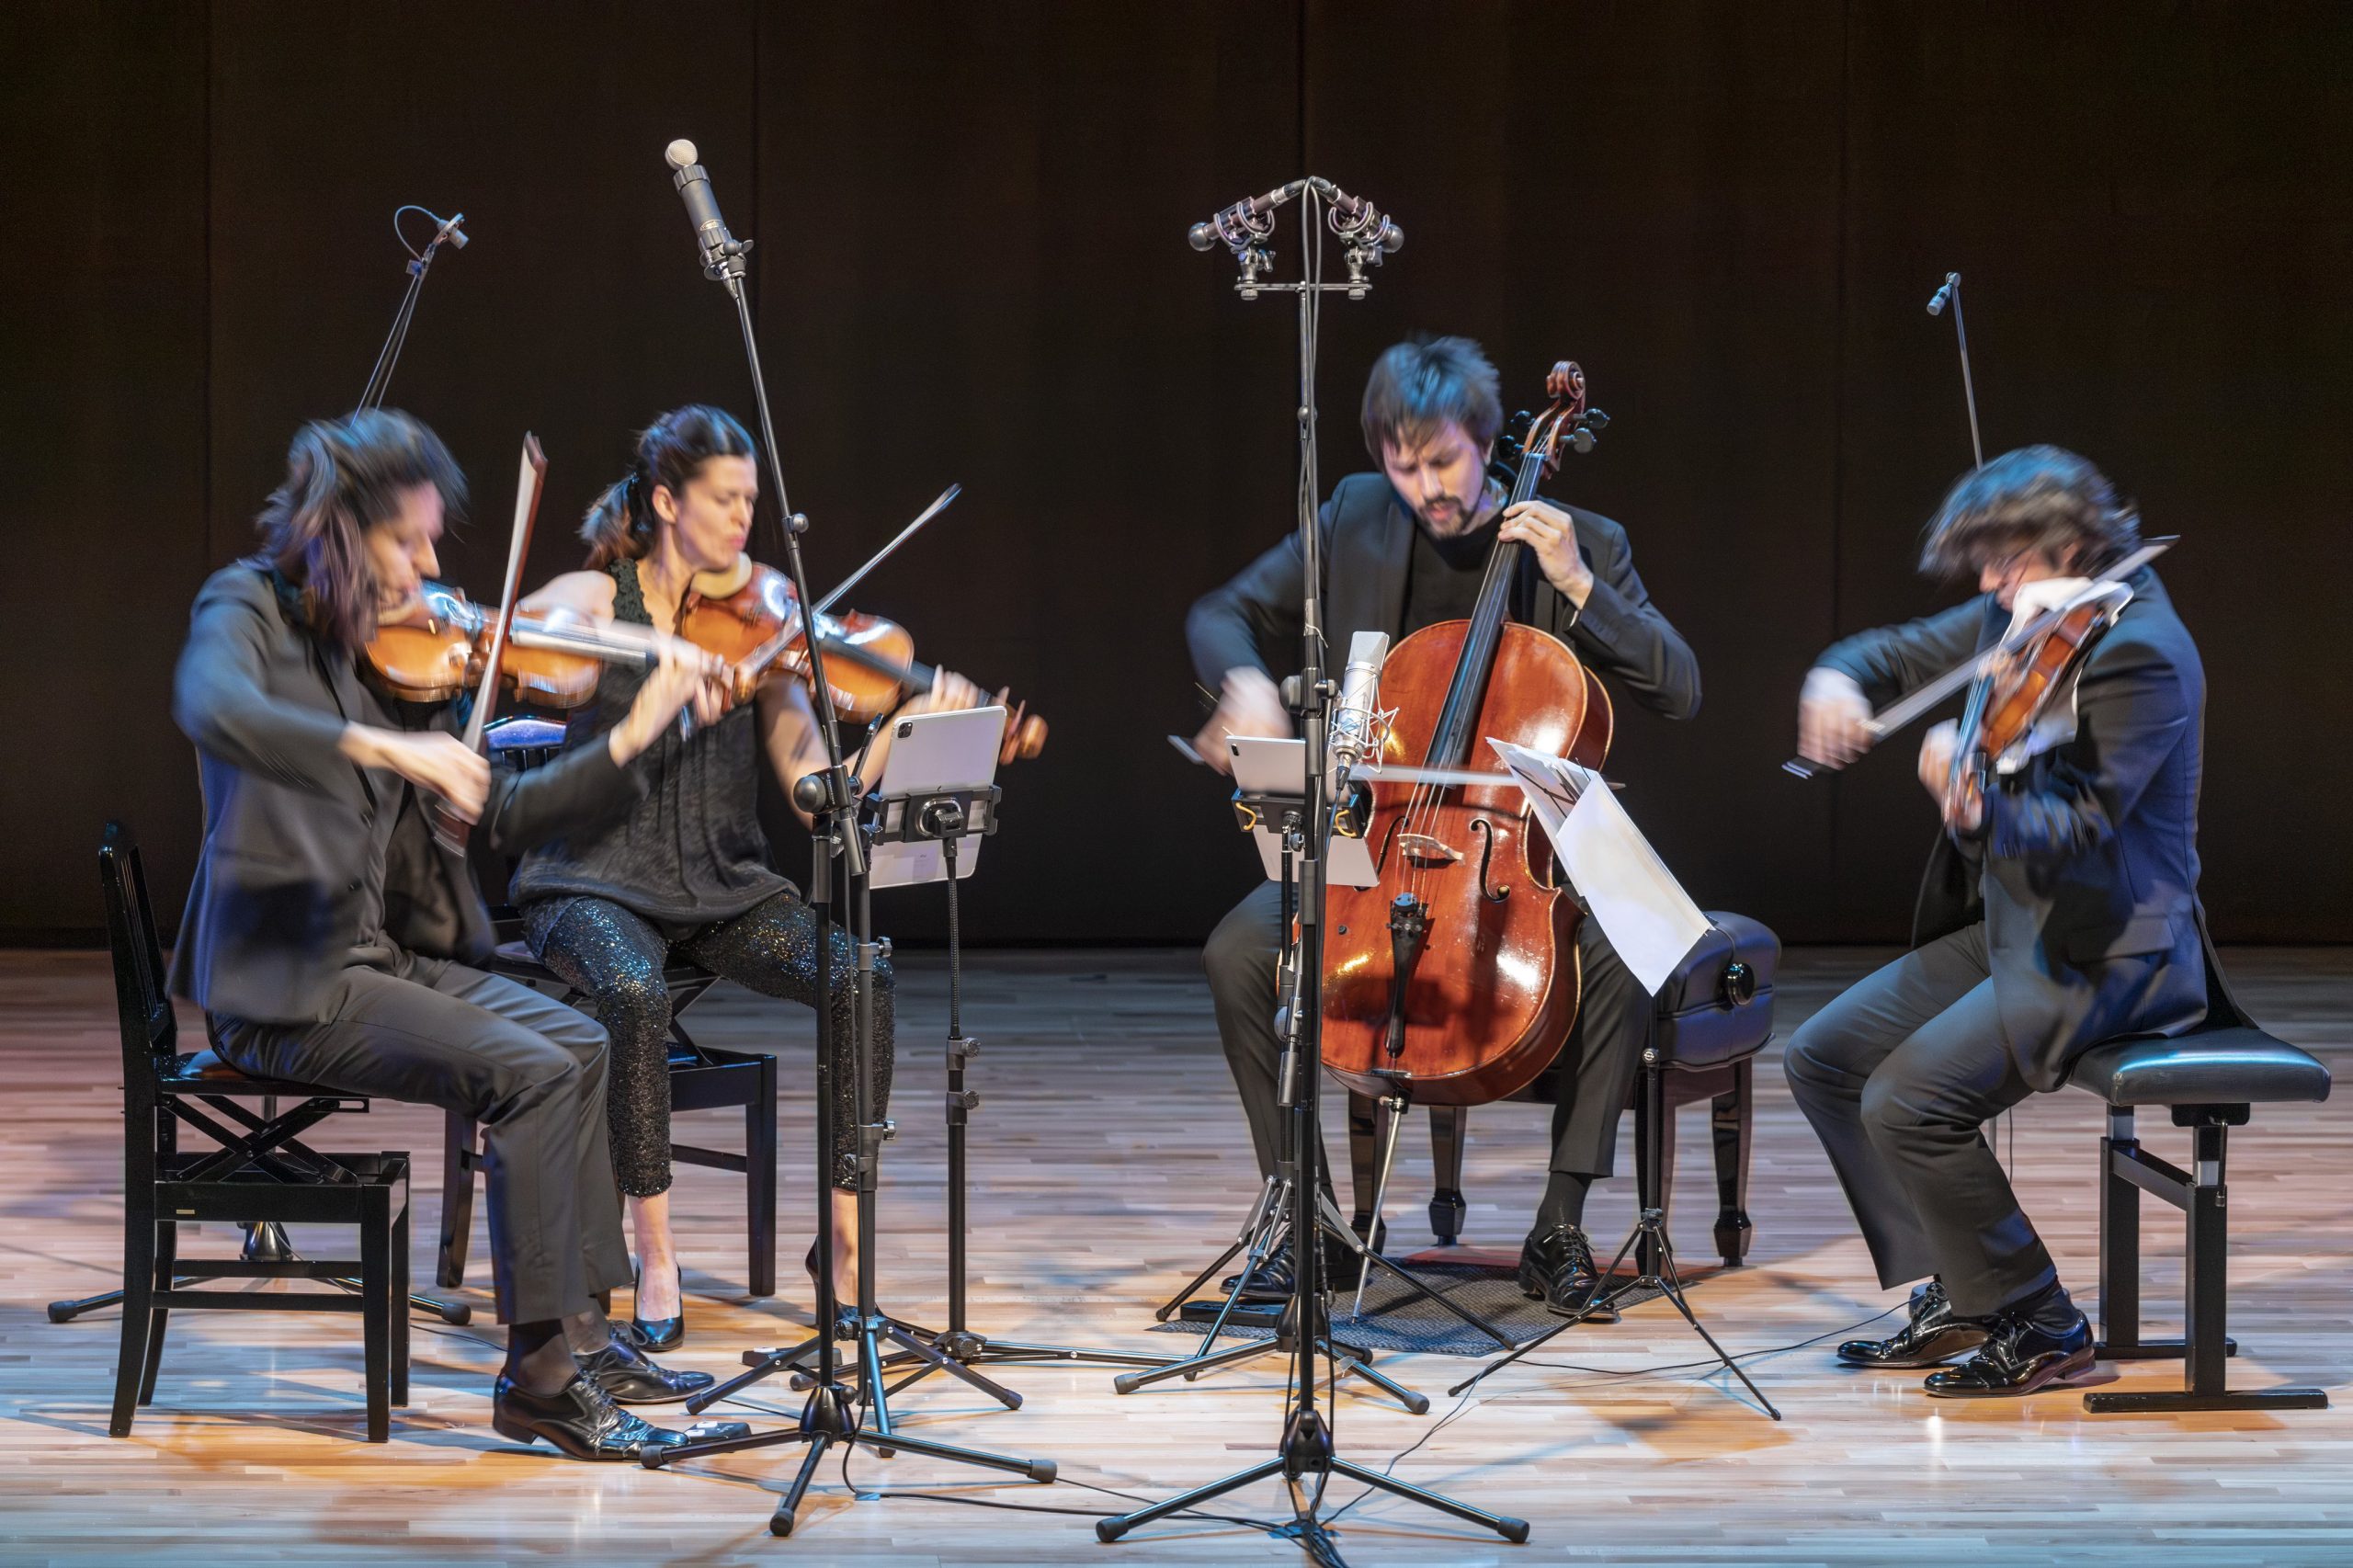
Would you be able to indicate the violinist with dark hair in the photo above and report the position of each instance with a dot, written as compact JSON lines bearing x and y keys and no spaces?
{"x":685,"y":868}
{"x":2060,"y":909}
{"x":329,"y":939}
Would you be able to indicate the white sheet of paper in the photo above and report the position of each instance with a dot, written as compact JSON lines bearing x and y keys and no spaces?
{"x":1643,"y":909}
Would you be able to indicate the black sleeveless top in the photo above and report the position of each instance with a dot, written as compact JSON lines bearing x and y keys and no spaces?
{"x":691,"y":850}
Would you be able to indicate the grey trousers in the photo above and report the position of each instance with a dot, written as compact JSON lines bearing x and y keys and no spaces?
{"x":1897,"y":1076}
{"x":1590,"y":1084}
{"x":531,"y":1070}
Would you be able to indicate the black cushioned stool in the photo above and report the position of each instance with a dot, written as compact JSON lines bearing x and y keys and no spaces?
{"x":1714,"y":1015}
{"x":2212,"y":1080}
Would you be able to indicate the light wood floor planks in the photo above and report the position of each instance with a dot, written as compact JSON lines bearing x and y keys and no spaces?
{"x":1109,"y":1163}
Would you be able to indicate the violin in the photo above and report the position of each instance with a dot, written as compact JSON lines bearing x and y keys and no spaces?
{"x":440,"y":646}
{"x":1453,"y":980}
{"x":2022,"y":676}
{"x":750,"y":615}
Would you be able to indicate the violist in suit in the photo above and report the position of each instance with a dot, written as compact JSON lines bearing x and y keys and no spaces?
{"x":2060,"y":909}
{"x":331,"y":940}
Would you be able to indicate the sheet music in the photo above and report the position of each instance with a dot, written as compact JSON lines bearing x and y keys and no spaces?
{"x":1643,"y":909}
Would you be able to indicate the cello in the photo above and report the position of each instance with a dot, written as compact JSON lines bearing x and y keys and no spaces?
{"x":1453,"y":980}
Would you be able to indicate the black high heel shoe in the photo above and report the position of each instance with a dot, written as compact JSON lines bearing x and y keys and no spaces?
{"x":656,"y":1334}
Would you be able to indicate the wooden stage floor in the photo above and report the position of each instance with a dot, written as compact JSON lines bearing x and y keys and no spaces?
{"x":1110,"y":1163}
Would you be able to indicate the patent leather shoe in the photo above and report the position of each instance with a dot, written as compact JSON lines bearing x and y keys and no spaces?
{"x":584,"y":1423}
{"x":1935,"y":1335}
{"x":2017,"y":1359}
{"x":655,"y":1333}
{"x":1556,"y":1269}
{"x":629,"y":1376}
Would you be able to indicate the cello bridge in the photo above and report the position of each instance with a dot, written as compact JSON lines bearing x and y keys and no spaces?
{"x":1427,"y":850}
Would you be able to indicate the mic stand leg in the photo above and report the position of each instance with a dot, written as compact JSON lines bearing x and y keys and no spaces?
{"x":1648,"y":1239}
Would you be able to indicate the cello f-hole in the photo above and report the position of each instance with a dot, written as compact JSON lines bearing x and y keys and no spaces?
{"x":1486,"y":831}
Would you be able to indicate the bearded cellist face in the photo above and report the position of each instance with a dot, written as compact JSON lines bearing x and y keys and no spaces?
{"x":1442,"y":476}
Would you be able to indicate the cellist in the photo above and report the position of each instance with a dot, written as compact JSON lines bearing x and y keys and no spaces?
{"x":2061,"y":909}
{"x":1405,"y":547}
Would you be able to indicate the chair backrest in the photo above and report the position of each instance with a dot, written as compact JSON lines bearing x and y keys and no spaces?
{"x":143,"y":1002}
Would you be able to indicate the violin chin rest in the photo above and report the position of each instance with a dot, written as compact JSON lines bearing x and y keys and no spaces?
{"x":725,"y":583}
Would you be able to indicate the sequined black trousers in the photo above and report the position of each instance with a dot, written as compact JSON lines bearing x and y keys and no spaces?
{"x":614,"y":958}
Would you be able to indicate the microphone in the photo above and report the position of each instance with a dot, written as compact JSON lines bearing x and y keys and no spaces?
{"x":1242,"y":222}
{"x":1355,"y":725}
{"x":1358,"y":221}
{"x":719,"y":246}
{"x":1937,"y":301}
{"x":451,"y":232}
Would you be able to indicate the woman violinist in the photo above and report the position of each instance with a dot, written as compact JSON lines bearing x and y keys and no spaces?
{"x":328,"y":938}
{"x":686,"y":869}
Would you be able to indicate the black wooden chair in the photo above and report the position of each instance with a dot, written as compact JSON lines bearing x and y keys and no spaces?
{"x":2211,"y":1079}
{"x":259,"y":1172}
{"x":702,"y":1077}
{"x":1712,"y":1018}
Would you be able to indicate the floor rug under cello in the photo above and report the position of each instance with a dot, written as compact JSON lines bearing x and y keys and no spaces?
{"x":1397,"y":1318}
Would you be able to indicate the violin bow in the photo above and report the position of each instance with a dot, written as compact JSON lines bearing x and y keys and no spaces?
{"x":1897,"y":714}
{"x":531,"y":480}
{"x":883,"y":554}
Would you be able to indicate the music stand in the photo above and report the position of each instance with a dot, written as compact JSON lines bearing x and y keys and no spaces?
{"x":938,"y":794}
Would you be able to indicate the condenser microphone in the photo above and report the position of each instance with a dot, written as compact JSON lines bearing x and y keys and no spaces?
{"x":719,"y":247}
{"x":1355,"y":724}
{"x":1357,"y":222}
{"x":1937,"y":301}
{"x":1242,"y":221}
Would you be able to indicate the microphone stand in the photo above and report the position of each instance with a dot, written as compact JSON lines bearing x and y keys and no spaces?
{"x":831,"y":798}
{"x":380,"y":378}
{"x":1307,"y":1447}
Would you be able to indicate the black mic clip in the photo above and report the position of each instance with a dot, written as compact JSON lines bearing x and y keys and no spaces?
{"x":1246,"y":227}
{"x":1364,"y":231}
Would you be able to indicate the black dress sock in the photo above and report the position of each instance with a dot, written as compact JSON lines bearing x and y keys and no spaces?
{"x":588,"y":1331}
{"x":537,"y":1358}
{"x":1563,"y":1201}
{"x":2051,"y":1309}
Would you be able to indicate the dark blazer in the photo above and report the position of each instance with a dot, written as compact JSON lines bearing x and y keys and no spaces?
{"x":1366,"y":541}
{"x":289,"y":820}
{"x":2085,"y":872}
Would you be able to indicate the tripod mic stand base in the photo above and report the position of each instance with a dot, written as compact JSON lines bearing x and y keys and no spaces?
{"x":1511,"y":1530}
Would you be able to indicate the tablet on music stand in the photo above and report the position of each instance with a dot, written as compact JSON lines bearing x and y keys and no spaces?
{"x":936,"y":756}
{"x":1277,"y":769}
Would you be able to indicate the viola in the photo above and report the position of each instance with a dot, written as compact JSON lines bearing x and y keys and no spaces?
{"x":1453,"y":981}
{"x":750,"y":615}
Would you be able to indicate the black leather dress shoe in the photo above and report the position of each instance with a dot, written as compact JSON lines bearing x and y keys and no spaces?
{"x":655,"y":1333}
{"x":1556,"y":1269}
{"x":582,"y":1421}
{"x":1935,"y":1335}
{"x":2017,"y":1359}
{"x":629,"y":1377}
